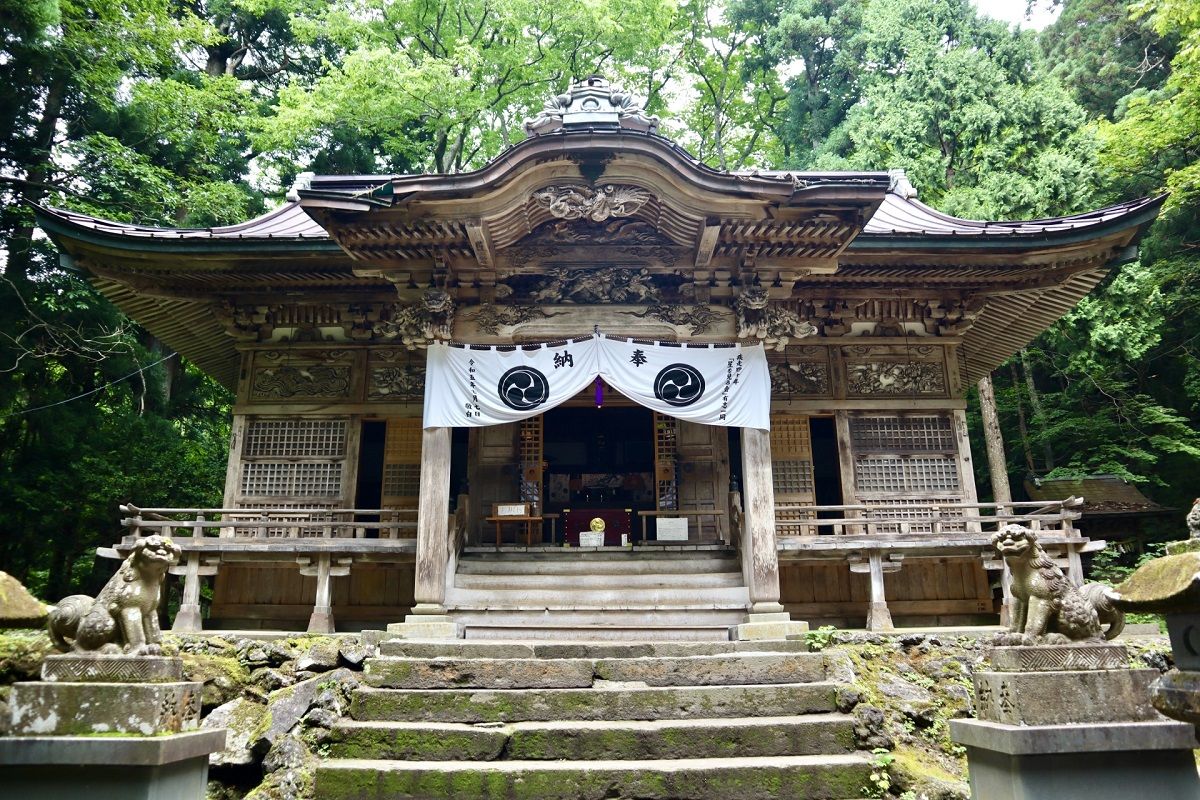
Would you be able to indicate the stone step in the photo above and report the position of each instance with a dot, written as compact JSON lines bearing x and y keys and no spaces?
{"x":391,"y":672}
{"x":812,"y":734}
{"x":638,"y":552}
{"x":589,"y":565}
{"x":808,"y":777}
{"x":440,"y":648}
{"x":710,"y":634}
{"x":616,"y":703}
{"x":631,"y":617}
{"x":616,"y":581}
{"x":533,"y":595}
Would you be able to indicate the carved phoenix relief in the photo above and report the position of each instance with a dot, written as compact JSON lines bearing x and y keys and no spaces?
{"x":390,"y":382}
{"x":805,"y":377}
{"x":882,"y":377}
{"x":582,"y":202}
{"x":699,"y":318}
{"x":490,"y":318}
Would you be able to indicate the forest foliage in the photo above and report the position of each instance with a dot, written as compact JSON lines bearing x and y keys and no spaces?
{"x":202,"y":112}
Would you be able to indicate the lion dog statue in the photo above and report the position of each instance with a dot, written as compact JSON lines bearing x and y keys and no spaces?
{"x":1047,"y":608}
{"x":124,"y":616}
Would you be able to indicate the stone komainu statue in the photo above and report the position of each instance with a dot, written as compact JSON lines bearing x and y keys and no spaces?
{"x":1047,"y":608}
{"x":124,"y":616}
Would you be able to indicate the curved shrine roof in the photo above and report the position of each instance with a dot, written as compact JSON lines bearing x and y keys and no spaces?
{"x":823,"y":234}
{"x":897,"y":216}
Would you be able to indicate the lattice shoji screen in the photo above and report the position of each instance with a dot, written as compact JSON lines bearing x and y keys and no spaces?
{"x":293,"y":464}
{"x":909,"y":458}
{"x":402,"y":463}
{"x":666,"y":473}
{"x":529,"y":446}
{"x":792,"y":471}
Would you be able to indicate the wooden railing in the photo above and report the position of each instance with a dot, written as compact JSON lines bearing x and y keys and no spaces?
{"x":272,"y":523}
{"x":930,"y":519}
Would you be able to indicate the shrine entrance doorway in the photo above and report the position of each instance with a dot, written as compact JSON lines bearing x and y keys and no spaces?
{"x":653,"y":479}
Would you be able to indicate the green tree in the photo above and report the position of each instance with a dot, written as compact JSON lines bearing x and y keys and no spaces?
{"x":1101,"y":53}
{"x":963,"y":104}
{"x":445,"y":86}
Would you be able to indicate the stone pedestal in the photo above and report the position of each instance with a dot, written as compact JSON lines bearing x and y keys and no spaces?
{"x":773,"y":625}
{"x":1072,"y":721}
{"x":426,"y":626}
{"x":107,"y":726}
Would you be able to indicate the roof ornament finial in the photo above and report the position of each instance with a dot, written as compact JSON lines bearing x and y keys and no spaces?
{"x":594,"y":103}
{"x":303,"y":181}
{"x":900,"y":184}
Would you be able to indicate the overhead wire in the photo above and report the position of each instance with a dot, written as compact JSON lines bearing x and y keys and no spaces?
{"x":90,"y":392}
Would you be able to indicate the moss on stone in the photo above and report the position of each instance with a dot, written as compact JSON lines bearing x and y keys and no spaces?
{"x":22,"y":653}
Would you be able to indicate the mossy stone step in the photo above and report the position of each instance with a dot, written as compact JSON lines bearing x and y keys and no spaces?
{"x":823,"y":777}
{"x":812,"y":734}
{"x":618,"y":703}
{"x":416,"y":648}
{"x":478,"y":673}
{"x":719,"y":670}
{"x":563,"y":673}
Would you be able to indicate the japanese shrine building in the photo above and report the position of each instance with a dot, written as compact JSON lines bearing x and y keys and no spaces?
{"x":858,"y":505}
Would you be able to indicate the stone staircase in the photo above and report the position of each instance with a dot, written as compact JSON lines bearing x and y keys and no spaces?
{"x":594,"y":721}
{"x":620,"y":595}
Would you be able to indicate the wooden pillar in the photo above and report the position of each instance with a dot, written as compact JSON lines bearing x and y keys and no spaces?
{"x":325,"y":569}
{"x":879,"y":618}
{"x":998,"y":468}
{"x":760,"y":558}
{"x":1074,"y":565}
{"x":187,"y":619}
{"x":433,"y":534}
{"x":321,"y":620}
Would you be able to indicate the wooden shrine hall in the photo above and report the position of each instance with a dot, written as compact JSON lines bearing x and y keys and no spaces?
{"x":857,"y":506}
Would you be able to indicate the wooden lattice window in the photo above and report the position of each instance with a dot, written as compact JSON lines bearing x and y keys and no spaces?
{"x":295,"y":438}
{"x":905,"y":456}
{"x":666,"y":453}
{"x":792,"y":472}
{"x":402,"y":463}
{"x":907,"y":434}
{"x":296,"y":462}
{"x":903,"y":510}
{"x":290,"y":479}
{"x":311,"y":514}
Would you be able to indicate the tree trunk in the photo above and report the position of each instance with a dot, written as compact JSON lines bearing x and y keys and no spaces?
{"x":1022,"y":425}
{"x":37,"y":174}
{"x":1039,"y":415}
{"x":994,"y":439}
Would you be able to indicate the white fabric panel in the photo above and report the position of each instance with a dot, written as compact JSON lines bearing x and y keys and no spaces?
{"x":712,"y":385}
{"x":473,"y":387}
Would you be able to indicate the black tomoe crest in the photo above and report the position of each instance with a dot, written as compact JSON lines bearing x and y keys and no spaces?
{"x":679,"y":385}
{"x":523,"y":388}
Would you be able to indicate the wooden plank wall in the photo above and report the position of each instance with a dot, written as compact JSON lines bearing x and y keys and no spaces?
{"x":279,"y":597}
{"x":925,"y":590}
